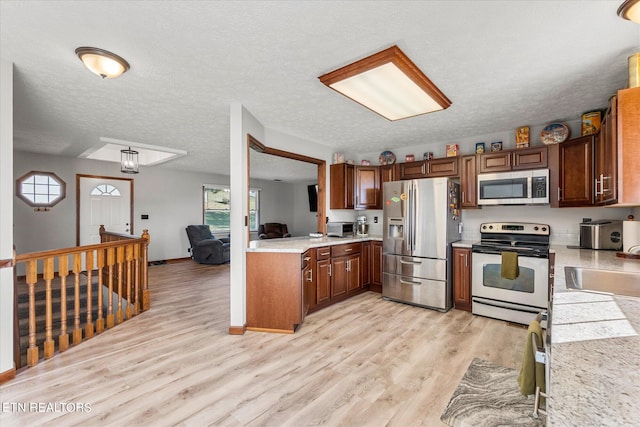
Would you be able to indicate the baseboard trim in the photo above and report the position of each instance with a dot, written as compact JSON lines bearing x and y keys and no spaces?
{"x":237,"y":330}
{"x":7,"y":375}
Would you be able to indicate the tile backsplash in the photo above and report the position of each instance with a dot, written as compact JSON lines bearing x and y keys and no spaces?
{"x":564,"y":222}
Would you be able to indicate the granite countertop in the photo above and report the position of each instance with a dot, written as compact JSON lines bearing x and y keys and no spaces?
{"x":301,"y":244}
{"x":595,"y":348}
{"x":464,"y":243}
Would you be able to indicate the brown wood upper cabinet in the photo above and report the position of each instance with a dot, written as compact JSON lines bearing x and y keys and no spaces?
{"x":367,"y":187}
{"x":518,"y":159}
{"x":341,"y":184}
{"x":446,"y":166}
{"x":468,"y":182}
{"x":389,"y":172}
{"x":606,"y":158}
{"x":628,"y":139}
{"x":413,"y":170}
{"x":571,"y":165}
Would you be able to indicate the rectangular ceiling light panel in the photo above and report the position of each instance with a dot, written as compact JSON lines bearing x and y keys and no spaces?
{"x":389,"y":84}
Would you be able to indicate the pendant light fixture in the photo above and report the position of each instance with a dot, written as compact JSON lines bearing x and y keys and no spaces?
{"x":630,"y":9}
{"x":388,"y":83}
{"x":128,"y":161}
{"x":101,"y":62}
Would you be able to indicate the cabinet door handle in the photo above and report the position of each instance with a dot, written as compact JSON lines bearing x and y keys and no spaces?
{"x":463,"y":199}
{"x":324,"y":253}
{"x":329,"y":269}
{"x":348,"y":250}
{"x":466,"y":260}
{"x":559,"y":190}
{"x":349,"y":265}
{"x":310,"y":278}
{"x":597,"y":192}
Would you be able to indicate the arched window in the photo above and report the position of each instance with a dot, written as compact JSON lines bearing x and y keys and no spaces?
{"x":41,"y":189}
{"x":105,"y":190}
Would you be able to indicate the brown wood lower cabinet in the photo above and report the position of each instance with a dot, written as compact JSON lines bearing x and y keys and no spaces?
{"x":282,"y":288}
{"x":462,"y":278}
{"x":376,"y":267}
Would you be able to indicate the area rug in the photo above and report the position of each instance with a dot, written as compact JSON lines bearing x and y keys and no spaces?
{"x":488,"y":396}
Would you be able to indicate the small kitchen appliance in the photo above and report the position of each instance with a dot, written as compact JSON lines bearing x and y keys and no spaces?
{"x":516,"y":300}
{"x":362,"y":228}
{"x":528,"y":187}
{"x":601,"y":234}
{"x":340,"y":229}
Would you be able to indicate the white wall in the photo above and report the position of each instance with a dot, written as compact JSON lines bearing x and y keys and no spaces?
{"x":304,"y":221}
{"x":6,"y":215}
{"x":153,"y":187}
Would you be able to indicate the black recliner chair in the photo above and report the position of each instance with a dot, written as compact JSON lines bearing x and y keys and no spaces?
{"x":207,"y":249}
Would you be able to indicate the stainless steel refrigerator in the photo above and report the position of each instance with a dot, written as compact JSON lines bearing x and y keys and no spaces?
{"x":421,"y":220}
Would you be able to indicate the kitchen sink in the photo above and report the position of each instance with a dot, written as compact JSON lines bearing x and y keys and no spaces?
{"x":591,"y":279}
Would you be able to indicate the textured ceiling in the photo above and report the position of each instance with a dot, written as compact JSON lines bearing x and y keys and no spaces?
{"x":502,"y":63}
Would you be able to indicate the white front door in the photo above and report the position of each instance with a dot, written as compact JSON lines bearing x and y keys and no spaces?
{"x":103,"y":201}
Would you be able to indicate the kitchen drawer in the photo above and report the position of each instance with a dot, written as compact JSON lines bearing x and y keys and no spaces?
{"x":427,"y":268}
{"x":323,"y":253}
{"x":427,"y":293}
{"x":346,"y":249}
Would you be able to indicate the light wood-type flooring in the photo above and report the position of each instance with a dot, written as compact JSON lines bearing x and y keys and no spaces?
{"x":362,"y":362}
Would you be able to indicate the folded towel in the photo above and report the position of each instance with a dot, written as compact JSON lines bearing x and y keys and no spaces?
{"x":509,"y":268}
{"x":531,"y":372}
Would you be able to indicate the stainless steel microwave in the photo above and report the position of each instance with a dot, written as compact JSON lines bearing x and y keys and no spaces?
{"x":529,"y":187}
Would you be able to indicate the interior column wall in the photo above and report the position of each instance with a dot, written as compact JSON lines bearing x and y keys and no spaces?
{"x":6,"y":215}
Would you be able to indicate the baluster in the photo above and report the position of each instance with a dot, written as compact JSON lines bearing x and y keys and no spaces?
{"x":136,"y":279}
{"x":129,"y":267}
{"x":49,"y":344}
{"x":110,"y":261}
{"x":146,"y":295}
{"x":89,"y":327}
{"x":77,"y":330}
{"x":120,"y":261}
{"x":63,"y":272}
{"x":31,"y":278}
{"x":100,"y":273}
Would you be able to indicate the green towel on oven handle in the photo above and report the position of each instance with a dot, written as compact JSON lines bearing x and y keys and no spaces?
{"x":509,"y":266}
{"x":531,"y":372}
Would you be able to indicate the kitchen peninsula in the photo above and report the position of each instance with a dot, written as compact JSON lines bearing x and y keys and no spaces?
{"x":289,"y":278}
{"x":595,"y":347}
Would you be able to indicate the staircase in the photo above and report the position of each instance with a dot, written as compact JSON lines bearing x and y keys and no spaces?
{"x":40,"y":297}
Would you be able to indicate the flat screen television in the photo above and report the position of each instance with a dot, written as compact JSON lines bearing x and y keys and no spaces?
{"x":313,"y":197}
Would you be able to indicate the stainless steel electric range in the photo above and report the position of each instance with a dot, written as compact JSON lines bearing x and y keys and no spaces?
{"x":516,"y":300}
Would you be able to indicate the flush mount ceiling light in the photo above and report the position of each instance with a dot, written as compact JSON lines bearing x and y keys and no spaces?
{"x":388,"y":83}
{"x":128,"y":161}
{"x":101,"y":62}
{"x":630,"y":10}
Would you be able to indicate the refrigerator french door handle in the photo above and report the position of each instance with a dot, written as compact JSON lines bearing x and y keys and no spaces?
{"x":408,"y":217}
{"x":410,"y":262}
{"x":415,"y":216}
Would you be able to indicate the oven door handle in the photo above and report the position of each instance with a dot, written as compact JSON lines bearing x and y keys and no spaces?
{"x":498,"y":304}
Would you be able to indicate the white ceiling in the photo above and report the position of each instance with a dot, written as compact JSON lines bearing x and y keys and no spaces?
{"x":502,"y":64}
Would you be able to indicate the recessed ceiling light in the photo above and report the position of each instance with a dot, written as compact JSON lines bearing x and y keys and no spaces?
{"x":102,"y":62}
{"x":388,"y":83}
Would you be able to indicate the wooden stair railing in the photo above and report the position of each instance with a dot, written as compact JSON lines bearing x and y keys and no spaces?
{"x":120,"y":264}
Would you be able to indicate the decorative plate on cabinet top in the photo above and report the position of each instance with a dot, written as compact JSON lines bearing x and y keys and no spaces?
{"x":554,"y":133}
{"x":387,"y":158}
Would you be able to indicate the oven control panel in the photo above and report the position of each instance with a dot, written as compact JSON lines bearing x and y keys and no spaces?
{"x":515,"y":228}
